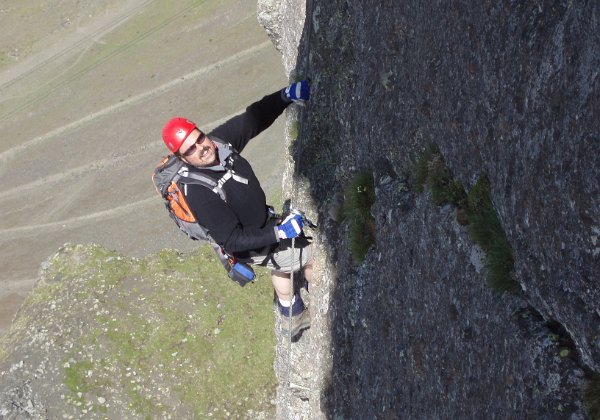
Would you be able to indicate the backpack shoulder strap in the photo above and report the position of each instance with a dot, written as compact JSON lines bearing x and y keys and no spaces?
{"x":172,"y":169}
{"x":191,"y":177}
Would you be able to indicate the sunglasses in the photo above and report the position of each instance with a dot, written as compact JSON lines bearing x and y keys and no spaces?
{"x":194,"y":146}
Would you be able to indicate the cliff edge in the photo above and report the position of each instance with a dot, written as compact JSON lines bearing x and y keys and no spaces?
{"x":507,"y":95}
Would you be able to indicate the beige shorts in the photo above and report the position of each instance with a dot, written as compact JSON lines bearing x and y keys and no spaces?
{"x":282,"y":259}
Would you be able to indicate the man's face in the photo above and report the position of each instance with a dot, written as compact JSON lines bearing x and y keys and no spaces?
{"x":198,"y":150}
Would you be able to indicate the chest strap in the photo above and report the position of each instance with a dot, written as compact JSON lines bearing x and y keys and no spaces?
{"x":206,"y":181}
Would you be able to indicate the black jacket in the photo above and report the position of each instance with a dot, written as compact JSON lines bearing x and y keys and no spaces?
{"x":241,"y":223}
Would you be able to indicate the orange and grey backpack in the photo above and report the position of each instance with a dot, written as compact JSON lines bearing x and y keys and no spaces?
{"x":167,"y":178}
{"x":169,"y":175}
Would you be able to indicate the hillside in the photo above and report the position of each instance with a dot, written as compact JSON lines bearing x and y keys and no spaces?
{"x":82,"y":104}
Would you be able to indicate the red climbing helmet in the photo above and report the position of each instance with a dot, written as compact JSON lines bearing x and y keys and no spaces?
{"x":176,"y":131}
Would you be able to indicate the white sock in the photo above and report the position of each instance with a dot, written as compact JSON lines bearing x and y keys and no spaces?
{"x":286,"y":303}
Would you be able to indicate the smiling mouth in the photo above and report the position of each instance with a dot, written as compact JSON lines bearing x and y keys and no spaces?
{"x":204,"y":152}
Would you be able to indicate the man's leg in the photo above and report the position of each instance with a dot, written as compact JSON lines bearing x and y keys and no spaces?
{"x":288,"y":303}
{"x":281,"y":281}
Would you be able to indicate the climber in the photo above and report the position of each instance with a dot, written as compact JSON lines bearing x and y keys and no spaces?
{"x":242,"y":224}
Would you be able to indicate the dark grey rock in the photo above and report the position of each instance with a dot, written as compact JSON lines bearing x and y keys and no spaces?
{"x":509,"y":90}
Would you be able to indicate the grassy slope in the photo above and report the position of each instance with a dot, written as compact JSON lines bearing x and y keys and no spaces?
{"x":164,"y":334}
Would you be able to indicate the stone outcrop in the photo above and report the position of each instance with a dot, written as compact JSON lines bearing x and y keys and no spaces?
{"x":505,"y":90}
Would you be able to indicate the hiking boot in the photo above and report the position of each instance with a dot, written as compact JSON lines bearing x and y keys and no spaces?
{"x":300,"y":317}
{"x":300,"y":323}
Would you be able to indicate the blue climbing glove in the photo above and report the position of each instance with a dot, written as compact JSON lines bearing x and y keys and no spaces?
{"x":299,"y":91}
{"x":290,"y":227}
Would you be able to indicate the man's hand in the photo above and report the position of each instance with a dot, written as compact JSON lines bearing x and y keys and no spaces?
{"x":299,"y":91}
{"x":290,"y":227}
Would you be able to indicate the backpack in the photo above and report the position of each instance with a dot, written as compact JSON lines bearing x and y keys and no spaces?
{"x":167,"y":176}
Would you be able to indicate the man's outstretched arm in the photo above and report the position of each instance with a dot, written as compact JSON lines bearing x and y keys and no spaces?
{"x":240,"y":129}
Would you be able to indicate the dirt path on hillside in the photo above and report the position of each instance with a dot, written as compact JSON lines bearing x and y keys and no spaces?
{"x":22,"y":148}
{"x":72,"y":43}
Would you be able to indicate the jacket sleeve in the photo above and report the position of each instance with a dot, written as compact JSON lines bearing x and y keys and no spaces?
{"x":223,"y":225}
{"x":240,"y":129}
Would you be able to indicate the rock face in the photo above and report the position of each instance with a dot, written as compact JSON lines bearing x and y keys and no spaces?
{"x":506,"y":90}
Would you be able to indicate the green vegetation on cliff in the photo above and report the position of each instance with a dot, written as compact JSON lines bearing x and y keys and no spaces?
{"x":359,"y":197}
{"x":475,"y":210}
